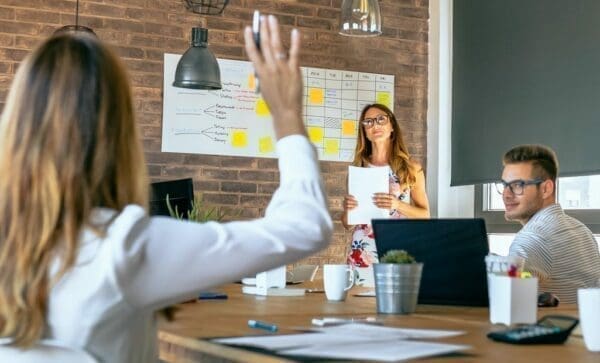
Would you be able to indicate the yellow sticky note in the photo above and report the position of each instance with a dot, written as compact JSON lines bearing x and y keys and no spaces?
{"x":348,"y":127}
{"x":384,"y":99}
{"x":265,"y":144}
{"x":251,"y":82}
{"x":239,"y":138}
{"x":315,"y":134}
{"x":261,"y":108}
{"x":332,"y":146}
{"x":315,"y":96}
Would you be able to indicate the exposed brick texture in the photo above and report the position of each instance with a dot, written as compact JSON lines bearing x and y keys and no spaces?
{"x":142,"y":30}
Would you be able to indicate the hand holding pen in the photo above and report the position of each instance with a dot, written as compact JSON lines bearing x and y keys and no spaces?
{"x":280,"y":76}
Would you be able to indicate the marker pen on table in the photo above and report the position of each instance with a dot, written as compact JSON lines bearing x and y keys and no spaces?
{"x":262,"y":325}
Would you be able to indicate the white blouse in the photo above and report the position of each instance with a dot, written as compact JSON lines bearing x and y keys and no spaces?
{"x":105,"y":304}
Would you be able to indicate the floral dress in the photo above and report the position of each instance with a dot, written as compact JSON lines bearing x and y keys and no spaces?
{"x":363,"y":252}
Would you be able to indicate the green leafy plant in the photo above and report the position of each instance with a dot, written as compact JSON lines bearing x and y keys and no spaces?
{"x":200,"y":212}
{"x":397,"y":257}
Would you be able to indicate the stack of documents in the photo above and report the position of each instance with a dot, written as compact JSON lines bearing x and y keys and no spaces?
{"x":355,"y":341}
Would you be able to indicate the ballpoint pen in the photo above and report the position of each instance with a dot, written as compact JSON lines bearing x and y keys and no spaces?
{"x":330,"y":321}
{"x":255,"y":324}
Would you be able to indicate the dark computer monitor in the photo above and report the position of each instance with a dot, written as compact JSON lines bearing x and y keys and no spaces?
{"x":181,"y":195}
{"x":453,"y":253}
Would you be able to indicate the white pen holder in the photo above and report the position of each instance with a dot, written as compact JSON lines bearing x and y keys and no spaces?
{"x":512,"y":300}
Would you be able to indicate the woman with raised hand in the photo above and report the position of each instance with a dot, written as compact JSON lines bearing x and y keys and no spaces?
{"x":380,"y":143}
{"x":81,"y":263}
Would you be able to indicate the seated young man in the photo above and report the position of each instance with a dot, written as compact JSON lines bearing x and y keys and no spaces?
{"x":558,"y":249}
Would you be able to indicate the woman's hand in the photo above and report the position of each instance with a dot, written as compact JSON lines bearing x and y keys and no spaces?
{"x":384,"y":200}
{"x":418,"y":206}
{"x":349,"y":203}
{"x":279,"y":75}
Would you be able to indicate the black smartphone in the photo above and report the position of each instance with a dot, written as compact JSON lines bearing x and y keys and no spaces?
{"x":256,"y":28}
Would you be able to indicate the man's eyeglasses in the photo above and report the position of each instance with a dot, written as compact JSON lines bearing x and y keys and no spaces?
{"x":516,"y":186}
{"x":379,"y":120}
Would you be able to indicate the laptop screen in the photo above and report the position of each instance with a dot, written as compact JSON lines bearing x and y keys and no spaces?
{"x":180,"y":192}
{"x":452,"y":251}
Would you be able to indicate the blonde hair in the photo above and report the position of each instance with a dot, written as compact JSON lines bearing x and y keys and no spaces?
{"x":543,"y":159}
{"x":68,"y":144}
{"x":399,"y":159}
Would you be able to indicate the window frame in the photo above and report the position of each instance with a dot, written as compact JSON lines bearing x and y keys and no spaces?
{"x":495,"y":222}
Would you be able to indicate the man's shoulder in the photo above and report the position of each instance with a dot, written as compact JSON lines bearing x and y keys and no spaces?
{"x":543,"y":225}
{"x":553,"y":223}
{"x":575,"y":222}
{"x":548,"y":220}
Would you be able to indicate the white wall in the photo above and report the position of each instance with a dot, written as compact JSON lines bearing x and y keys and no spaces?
{"x":445,"y":201}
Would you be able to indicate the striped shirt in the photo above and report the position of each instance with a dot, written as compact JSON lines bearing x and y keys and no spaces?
{"x":560,"y":250}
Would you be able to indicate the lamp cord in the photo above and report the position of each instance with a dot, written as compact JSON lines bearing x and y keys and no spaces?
{"x":77,"y":15}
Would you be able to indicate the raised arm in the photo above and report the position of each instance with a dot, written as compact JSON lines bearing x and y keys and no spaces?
{"x":168,"y":260}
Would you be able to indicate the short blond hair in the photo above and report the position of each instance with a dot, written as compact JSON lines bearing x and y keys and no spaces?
{"x":543,"y":159}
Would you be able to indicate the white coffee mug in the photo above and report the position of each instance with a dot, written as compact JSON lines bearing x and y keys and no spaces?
{"x":338,"y":279}
{"x":588,"y":301}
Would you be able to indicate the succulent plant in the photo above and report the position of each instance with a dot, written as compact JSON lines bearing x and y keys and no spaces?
{"x":397,"y":256}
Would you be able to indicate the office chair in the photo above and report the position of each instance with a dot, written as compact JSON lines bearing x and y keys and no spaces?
{"x":46,"y":351}
{"x":180,"y":192}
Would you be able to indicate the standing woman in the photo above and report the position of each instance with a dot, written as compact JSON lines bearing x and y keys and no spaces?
{"x":380,"y":143}
{"x":81,"y":262}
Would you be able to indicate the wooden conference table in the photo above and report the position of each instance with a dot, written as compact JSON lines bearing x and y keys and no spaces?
{"x":182,"y":340}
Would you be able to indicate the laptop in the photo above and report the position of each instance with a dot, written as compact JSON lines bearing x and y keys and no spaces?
{"x":452,"y":250}
{"x":180,"y":192}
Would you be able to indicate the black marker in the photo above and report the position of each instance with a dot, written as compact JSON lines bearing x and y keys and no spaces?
{"x":256,"y":28}
{"x":256,"y":36}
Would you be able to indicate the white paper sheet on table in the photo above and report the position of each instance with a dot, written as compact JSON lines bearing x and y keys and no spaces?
{"x":362,"y":184}
{"x":378,"y":332}
{"x":377,"y":350}
{"x":277,"y":342}
{"x":340,"y":334}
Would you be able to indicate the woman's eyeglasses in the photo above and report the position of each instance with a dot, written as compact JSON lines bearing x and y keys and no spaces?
{"x":379,"y":120}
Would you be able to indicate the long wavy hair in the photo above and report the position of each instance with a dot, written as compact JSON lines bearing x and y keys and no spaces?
{"x":399,"y":159}
{"x":68,"y":143}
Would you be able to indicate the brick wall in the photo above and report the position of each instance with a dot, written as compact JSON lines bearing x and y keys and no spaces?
{"x":142,"y":30}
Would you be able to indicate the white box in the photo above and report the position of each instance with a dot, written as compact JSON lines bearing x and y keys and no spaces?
{"x":271,"y":278}
{"x":512,"y":300}
{"x":272,"y":291}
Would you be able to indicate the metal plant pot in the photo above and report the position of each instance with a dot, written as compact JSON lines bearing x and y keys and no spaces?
{"x":397,"y":287}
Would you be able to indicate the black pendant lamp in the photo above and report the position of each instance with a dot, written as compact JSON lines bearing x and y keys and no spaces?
{"x":198,"y":68}
{"x":75,"y":28}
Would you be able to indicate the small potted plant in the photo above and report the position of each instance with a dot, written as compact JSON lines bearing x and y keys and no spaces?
{"x":199,"y":212}
{"x":397,"y":282}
